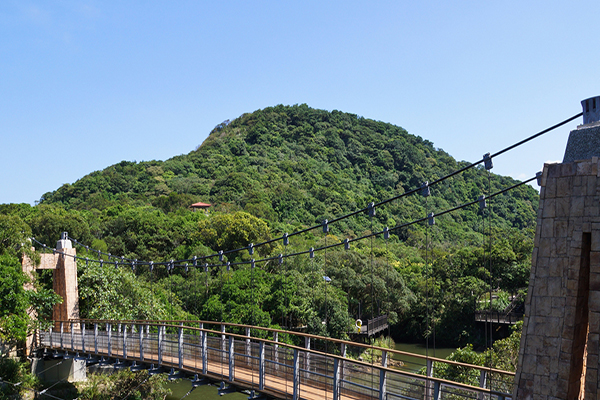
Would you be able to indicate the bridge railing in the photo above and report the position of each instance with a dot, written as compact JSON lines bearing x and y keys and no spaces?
{"x":269,"y":365}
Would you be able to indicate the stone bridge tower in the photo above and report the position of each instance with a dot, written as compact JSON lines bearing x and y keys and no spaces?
{"x":559,"y":353}
{"x":64,"y":279}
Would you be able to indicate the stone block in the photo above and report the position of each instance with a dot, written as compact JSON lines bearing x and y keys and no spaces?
{"x":584,"y":168}
{"x":591,"y":211}
{"x":594,"y":321}
{"x":595,"y":281}
{"x":559,"y":302}
{"x":589,"y":201}
{"x":543,"y":306}
{"x":595,"y":261}
{"x":529,"y":363}
{"x":567,"y":169}
{"x":577,"y":207}
{"x":594,"y":300}
{"x":560,"y":246}
{"x":545,"y":247}
{"x":547,"y":229}
{"x":555,"y":267}
{"x":592,"y":343}
{"x":549,"y":208}
{"x":592,"y":184}
{"x":592,"y":359}
{"x":561,"y":229}
{"x":550,"y":188}
{"x":554,"y":286}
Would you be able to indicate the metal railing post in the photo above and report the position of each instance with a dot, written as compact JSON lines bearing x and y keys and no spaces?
{"x":482,"y":382}
{"x":141,"y":333}
{"x":125,"y":342}
{"x":261,"y":367}
{"x":222,"y":339}
{"x":307,"y":356}
{"x":296,"y":376}
{"x":82,"y":327}
{"x":109,"y":334}
{"x":62,"y":330}
{"x":343,"y":365}
{"x":201,"y":326}
{"x":428,"y":387}
{"x":436,"y":390}
{"x":382,"y":376}
{"x":180,"y":345}
{"x":96,"y":338}
{"x":72,"y":336}
{"x":276,"y":350}
{"x":231,"y":360}
{"x":119,"y":336}
{"x":248,"y":347}
{"x":204,"y":352}
{"x":336,"y":379}
{"x":51,"y":341}
{"x":161,"y":330}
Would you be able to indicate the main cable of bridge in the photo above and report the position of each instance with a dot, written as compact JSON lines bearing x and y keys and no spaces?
{"x":486,"y":158}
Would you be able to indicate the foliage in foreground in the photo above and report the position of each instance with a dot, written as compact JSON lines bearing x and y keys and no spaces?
{"x":503,"y":355}
{"x":17,"y":376}
{"x":124,"y":383}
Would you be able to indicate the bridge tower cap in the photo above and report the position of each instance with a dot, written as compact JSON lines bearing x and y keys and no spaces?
{"x":591,"y":110}
{"x":584,"y":142}
{"x":64,"y":242}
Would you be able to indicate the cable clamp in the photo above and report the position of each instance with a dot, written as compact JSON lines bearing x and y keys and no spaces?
{"x":482,"y":202}
{"x":221,"y":255}
{"x":325,"y":226}
{"x":386,"y":233}
{"x":425,"y":192}
{"x":286,"y":239}
{"x":311,"y":252}
{"x":431,"y":219}
{"x":251,"y":248}
{"x":280,"y":259}
{"x":538,"y":175}
{"x":371,"y":207}
{"x":346,"y":244}
{"x":487,"y":161}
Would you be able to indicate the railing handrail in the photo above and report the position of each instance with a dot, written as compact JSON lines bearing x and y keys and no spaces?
{"x":316,"y":352}
{"x":332,"y":340}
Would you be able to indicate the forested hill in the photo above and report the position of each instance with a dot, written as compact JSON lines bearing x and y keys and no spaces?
{"x":274,"y":171}
{"x":298,"y":165}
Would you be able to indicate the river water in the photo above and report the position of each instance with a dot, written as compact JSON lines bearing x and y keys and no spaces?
{"x":413,"y":364}
{"x":210,"y":392}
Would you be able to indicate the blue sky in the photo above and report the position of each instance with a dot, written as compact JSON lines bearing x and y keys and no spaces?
{"x":86,"y":84}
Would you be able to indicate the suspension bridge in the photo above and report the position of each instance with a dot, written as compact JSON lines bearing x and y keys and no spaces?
{"x":254,"y":358}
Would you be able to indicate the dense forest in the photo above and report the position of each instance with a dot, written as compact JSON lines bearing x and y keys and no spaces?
{"x":275,"y":171}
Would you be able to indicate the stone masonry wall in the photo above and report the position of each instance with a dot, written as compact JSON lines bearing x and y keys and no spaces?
{"x":558,"y":357}
{"x":65,"y":284}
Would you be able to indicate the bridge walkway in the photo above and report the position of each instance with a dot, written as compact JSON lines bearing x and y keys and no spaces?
{"x":268,"y":366}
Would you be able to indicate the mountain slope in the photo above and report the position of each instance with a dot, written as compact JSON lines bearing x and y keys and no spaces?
{"x":298,"y":165}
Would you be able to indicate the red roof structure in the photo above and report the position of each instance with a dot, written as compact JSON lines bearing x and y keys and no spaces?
{"x":200,"y":205}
